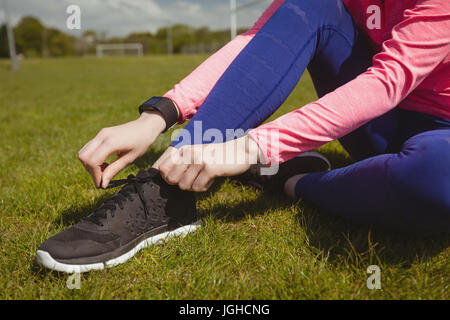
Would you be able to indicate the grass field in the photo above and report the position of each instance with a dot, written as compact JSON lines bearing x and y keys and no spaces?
{"x":252,"y":245}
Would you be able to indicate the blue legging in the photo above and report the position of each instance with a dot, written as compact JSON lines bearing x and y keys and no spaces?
{"x":403,"y":183}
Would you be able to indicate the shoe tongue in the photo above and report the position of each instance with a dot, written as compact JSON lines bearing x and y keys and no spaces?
{"x":142,"y":174}
{"x":150,"y":173}
{"x":153,"y":172}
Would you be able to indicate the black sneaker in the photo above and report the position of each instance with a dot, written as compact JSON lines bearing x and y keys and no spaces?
{"x":144,"y":212}
{"x":273,"y":179}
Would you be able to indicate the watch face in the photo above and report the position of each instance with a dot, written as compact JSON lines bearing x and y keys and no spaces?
{"x":152,"y":101}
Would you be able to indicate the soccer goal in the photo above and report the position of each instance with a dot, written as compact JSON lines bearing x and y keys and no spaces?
{"x":119,"y":49}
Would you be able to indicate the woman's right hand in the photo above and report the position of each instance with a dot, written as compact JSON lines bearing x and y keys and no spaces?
{"x":129,"y":141}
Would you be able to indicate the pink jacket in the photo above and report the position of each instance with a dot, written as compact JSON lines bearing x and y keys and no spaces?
{"x":411,"y":70}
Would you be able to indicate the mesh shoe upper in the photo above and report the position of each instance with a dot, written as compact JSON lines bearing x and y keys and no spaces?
{"x":146,"y":205}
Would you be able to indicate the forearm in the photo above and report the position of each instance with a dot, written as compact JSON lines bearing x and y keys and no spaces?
{"x":153,"y":120}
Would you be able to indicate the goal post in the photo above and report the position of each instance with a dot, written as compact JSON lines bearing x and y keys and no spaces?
{"x":121,"y":49}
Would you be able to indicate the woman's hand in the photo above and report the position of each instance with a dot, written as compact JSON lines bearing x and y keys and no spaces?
{"x":129,"y":141}
{"x":195,"y":167}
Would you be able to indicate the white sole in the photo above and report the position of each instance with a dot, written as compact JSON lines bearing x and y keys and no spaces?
{"x":45,"y":259}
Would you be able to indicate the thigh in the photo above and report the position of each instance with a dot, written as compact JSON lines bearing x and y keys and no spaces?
{"x":341,"y":56}
{"x":388,"y":133}
{"x":381,"y":135}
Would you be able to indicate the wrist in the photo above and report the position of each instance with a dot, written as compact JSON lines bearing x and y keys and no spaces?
{"x":167,"y":108}
{"x":253,"y":151}
{"x":154,"y":120}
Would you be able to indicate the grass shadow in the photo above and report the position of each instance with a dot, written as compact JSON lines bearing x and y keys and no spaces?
{"x":356,"y":243}
{"x":337,"y":158}
{"x":234,"y":211}
{"x":340,"y":239}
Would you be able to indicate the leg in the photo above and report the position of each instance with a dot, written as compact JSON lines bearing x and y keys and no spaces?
{"x":407,"y":191}
{"x":267,"y":70}
{"x":387,"y":133}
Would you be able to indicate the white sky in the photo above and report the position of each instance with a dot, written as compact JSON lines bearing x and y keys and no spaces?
{"x":120,"y":17}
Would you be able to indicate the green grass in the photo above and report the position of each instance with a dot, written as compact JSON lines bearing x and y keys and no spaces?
{"x":252,"y":245}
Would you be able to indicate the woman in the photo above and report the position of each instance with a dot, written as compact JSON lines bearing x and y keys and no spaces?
{"x":391,"y":114}
{"x":382,"y":72}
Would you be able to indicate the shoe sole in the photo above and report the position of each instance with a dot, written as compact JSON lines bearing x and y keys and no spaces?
{"x":46,"y":260}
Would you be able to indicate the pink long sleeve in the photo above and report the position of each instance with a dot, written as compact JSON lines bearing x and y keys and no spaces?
{"x":190,"y":93}
{"x":411,"y":70}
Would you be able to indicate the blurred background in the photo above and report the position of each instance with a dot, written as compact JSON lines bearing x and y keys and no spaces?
{"x":158,"y":26}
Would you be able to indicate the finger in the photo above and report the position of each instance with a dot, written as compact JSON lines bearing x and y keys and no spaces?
{"x":168,"y":165}
{"x":176,"y":173}
{"x":114,"y":168}
{"x":95,"y":162}
{"x":189,"y":176}
{"x":181,"y":160}
{"x":86,"y":151}
{"x":84,"y":155}
{"x":93,"y":144}
{"x":169,"y":151}
{"x":192,"y":154}
{"x":202,"y":182}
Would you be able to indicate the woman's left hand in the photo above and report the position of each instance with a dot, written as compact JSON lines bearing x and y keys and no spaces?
{"x":194,"y":167}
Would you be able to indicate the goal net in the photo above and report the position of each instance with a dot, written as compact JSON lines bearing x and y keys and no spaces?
{"x":119,"y":49}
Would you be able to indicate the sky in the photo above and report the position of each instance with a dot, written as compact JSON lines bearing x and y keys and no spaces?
{"x":120,"y":17}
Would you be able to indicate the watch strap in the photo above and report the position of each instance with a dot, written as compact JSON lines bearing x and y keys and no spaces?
{"x":165,"y":106}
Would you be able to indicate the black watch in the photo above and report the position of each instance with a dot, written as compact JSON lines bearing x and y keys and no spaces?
{"x":165,"y":106}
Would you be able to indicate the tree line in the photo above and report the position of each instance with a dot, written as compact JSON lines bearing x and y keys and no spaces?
{"x":33,"y":39}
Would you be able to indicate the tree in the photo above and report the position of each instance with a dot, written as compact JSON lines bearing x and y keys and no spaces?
{"x":4,"y":53}
{"x":60,"y":44}
{"x":29,"y":36}
{"x":143,"y":38}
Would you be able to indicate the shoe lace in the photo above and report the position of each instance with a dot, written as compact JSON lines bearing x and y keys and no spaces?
{"x":132,"y":185}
